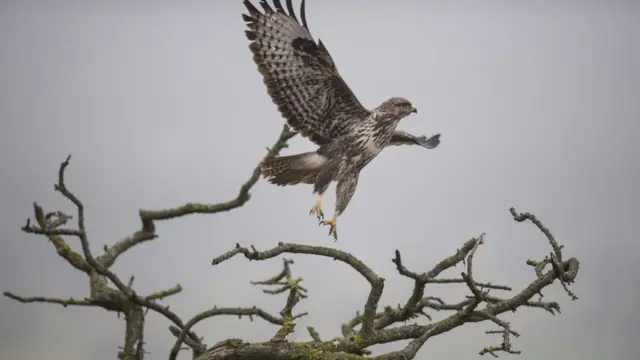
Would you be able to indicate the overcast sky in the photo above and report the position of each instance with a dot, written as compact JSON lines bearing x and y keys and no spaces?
{"x":160,"y":103}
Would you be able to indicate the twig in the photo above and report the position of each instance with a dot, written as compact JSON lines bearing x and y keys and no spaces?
{"x":414,"y":304}
{"x":468,"y":278}
{"x":505,"y":346}
{"x":529,"y":216}
{"x":556,"y":256}
{"x":552,"y":307}
{"x":62,"y":248}
{"x":476,"y":283}
{"x":164,"y":293}
{"x":275,"y":280}
{"x":30,"y":229}
{"x":149,"y":216}
{"x":112,"y":252}
{"x":505,"y":325}
{"x":40,"y":299}
{"x":451,"y":261}
{"x":429,"y":303}
{"x":297,"y":292}
{"x":402,"y":269}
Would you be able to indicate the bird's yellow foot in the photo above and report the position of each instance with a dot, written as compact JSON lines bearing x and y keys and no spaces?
{"x":333,"y":227}
{"x":317,"y":209}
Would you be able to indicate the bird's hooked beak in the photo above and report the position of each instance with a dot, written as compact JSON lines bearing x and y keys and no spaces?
{"x":414,"y":110}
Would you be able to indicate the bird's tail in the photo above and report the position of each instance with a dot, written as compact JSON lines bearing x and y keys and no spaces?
{"x":293,"y":169}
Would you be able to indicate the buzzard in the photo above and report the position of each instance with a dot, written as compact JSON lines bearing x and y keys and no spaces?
{"x":303,"y":81}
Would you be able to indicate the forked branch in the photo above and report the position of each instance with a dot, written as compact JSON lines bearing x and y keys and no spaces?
{"x":376,"y":282}
{"x":284,"y":282}
{"x":384,"y":328}
{"x":40,"y":299}
{"x":123,"y":299}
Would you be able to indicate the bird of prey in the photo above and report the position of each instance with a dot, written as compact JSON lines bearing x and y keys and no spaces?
{"x":303,"y":81}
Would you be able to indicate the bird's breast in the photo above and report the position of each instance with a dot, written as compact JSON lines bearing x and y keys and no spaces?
{"x":373,"y":137}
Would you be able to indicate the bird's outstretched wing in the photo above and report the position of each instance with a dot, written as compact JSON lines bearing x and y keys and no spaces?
{"x":403,"y":138}
{"x":300,"y":75}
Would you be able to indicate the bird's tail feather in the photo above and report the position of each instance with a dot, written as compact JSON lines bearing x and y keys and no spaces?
{"x":293,"y":169}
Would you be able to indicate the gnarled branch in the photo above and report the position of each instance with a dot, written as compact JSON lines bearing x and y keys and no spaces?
{"x":354,"y":342}
{"x":122,"y":299}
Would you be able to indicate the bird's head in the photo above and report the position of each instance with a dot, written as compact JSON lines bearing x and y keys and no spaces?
{"x":398,"y":107}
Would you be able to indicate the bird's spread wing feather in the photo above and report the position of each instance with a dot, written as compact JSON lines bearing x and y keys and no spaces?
{"x":403,"y":138}
{"x":300,"y":75}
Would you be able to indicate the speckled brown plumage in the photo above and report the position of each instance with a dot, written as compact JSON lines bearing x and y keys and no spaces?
{"x":302,"y":80}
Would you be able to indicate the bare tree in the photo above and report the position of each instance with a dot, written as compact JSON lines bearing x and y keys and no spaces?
{"x":376,"y":324}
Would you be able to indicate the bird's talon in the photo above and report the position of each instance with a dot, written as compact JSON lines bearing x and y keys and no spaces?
{"x":317,"y":210}
{"x":332,"y":227}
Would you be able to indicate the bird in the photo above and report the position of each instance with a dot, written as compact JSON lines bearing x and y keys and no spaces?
{"x":303,"y":82}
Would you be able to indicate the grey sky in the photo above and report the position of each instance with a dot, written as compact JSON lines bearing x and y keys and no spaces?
{"x":159,"y":103}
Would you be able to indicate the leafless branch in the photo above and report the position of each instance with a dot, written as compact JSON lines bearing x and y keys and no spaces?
{"x":376,"y":282}
{"x":557,"y":249}
{"x":97,"y":268}
{"x":149,"y":216}
{"x":164,"y":293}
{"x":250,"y":312}
{"x":403,"y":270}
{"x":286,"y":321}
{"x":111,"y":253}
{"x":505,"y":325}
{"x":505,"y":346}
{"x":482,"y":285}
{"x":196,"y":346}
{"x":52,"y":221}
{"x":88,"y":263}
{"x":284,"y":248}
{"x":30,"y":229}
{"x":468,"y":278}
{"x":414,"y":305}
{"x":40,"y":299}
{"x":551,"y":306}
{"x":555,"y":257}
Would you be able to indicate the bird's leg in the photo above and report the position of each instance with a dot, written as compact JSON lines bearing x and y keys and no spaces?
{"x":344,"y":191}
{"x":333,"y":230}
{"x":317,"y":208}
{"x":323,"y":179}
